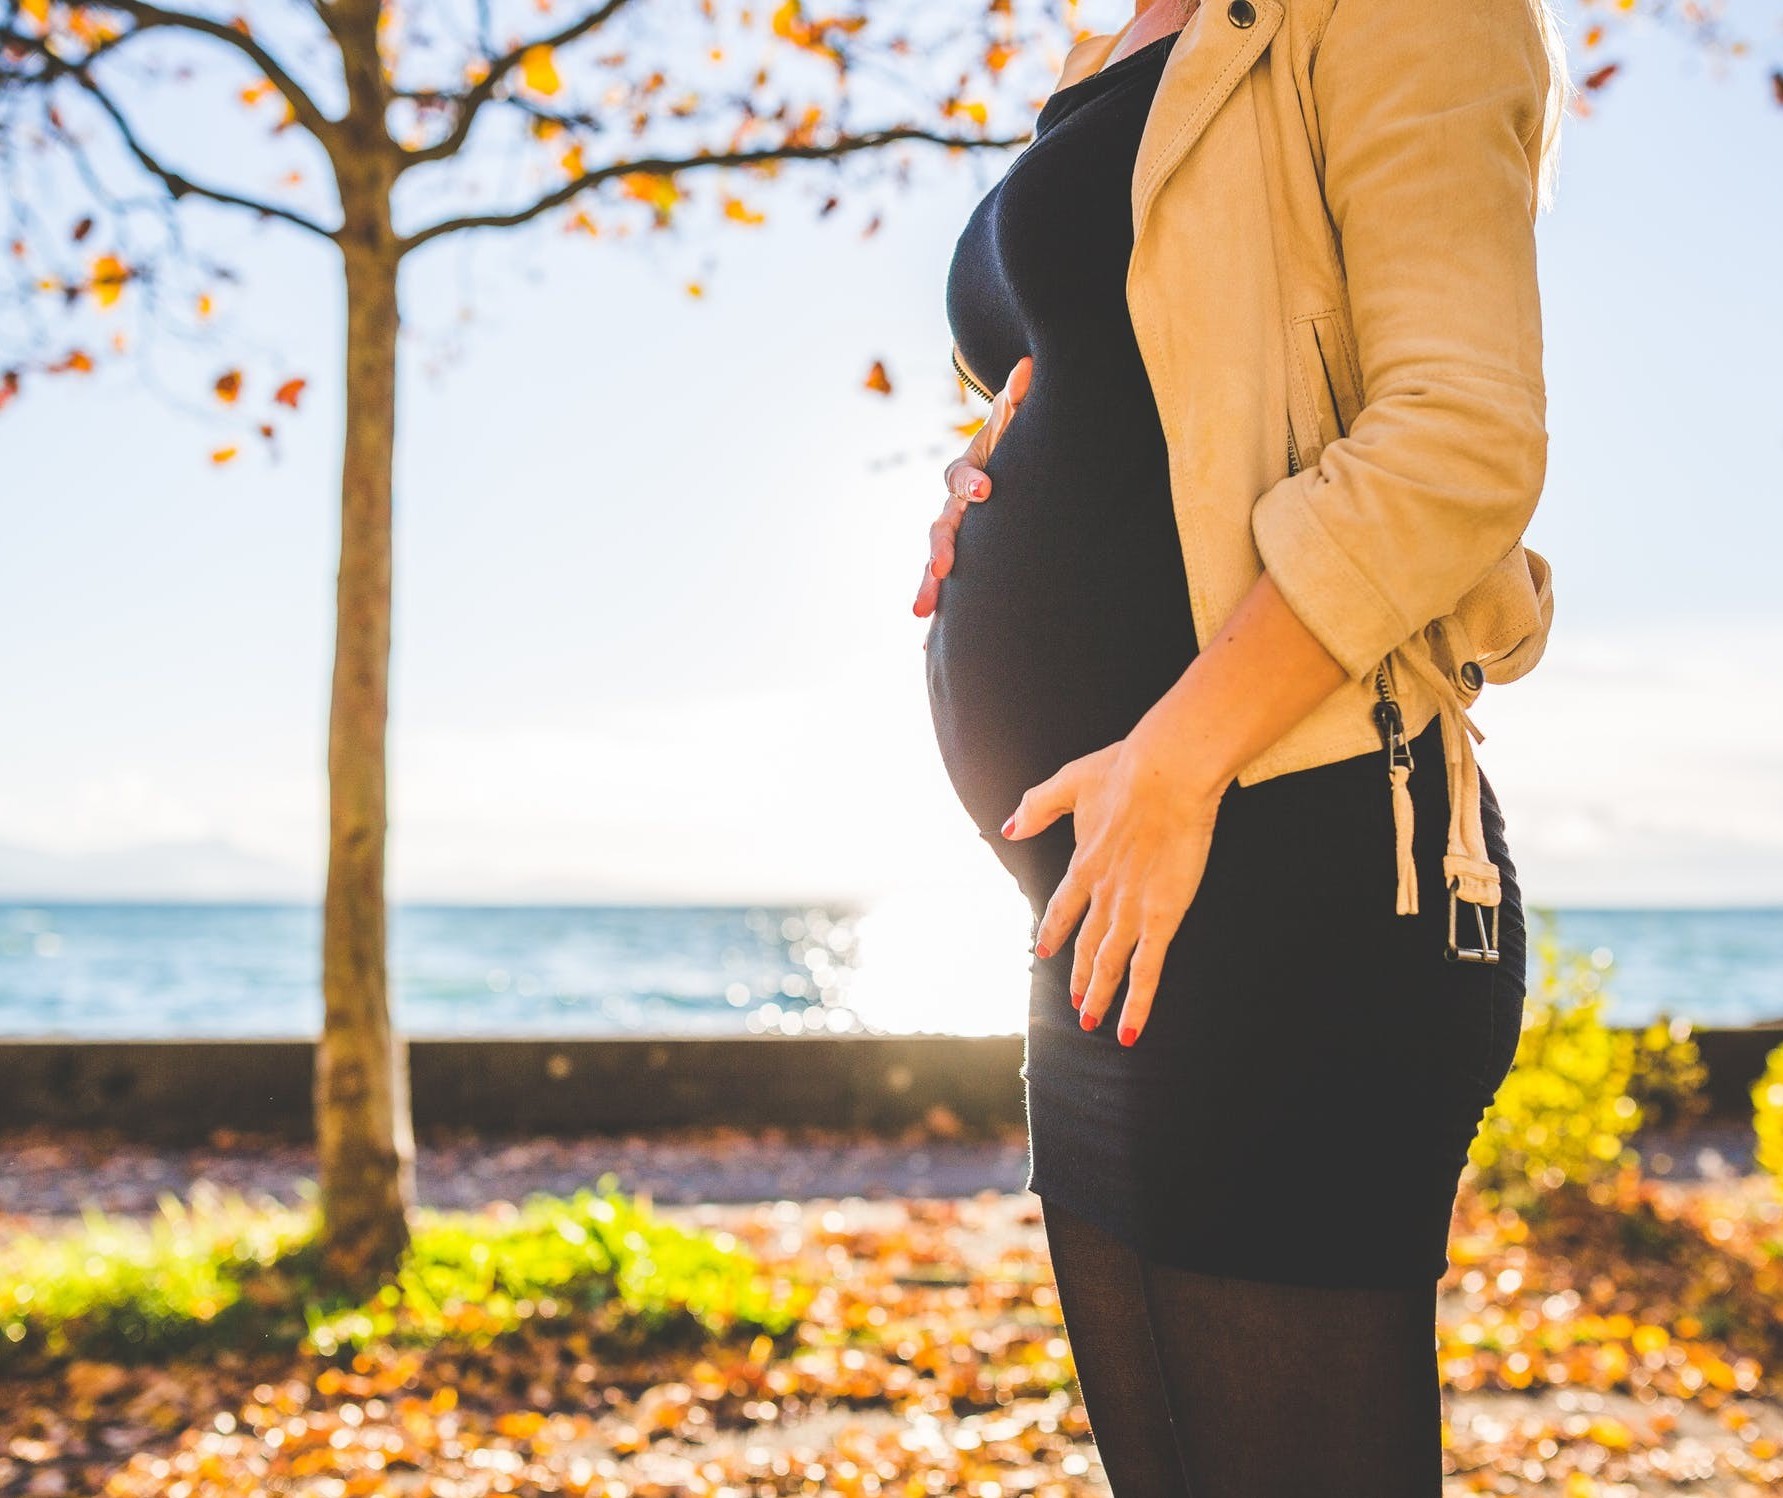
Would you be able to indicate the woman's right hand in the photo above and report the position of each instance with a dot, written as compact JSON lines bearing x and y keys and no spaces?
{"x":968,"y":483}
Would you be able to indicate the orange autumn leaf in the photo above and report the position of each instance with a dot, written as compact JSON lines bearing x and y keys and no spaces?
{"x":205,"y":305}
{"x":77,"y":362}
{"x":288,"y":393}
{"x":786,"y":21}
{"x":1594,"y":36}
{"x":538,"y":70}
{"x":255,"y":92}
{"x":109,"y":276}
{"x":37,"y":10}
{"x":571,"y":162}
{"x":223,"y":455}
{"x":653,"y":188}
{"x":9,"y":387}
{"x":228,"y":386}
{"x":695,"y":289}
{"x":736,"y":208}
{"x":1601,"y":76}
{"x":878,"y":379}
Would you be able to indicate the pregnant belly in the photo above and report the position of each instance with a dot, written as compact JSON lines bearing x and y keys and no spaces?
{"x":1066,"y":614}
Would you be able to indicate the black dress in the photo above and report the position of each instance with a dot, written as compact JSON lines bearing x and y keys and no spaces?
{"x":1300,"y":1103}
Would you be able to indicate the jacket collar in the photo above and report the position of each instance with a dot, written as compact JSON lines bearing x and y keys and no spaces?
{"x":1203,"y":69}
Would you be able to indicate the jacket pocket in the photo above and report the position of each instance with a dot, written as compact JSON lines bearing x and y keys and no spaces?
{"x":1328,"y":388}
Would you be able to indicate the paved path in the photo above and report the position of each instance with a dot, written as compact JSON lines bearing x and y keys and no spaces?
{"x":54,"y":1173}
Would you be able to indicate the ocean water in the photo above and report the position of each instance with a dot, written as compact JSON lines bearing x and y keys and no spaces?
{"x":143,"y":970}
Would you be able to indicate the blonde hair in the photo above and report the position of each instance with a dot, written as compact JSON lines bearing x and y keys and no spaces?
{"x":1561,"y":92}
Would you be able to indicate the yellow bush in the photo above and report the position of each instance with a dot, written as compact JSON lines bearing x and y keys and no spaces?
{"x":1580,"y":1086}
{"x":1767,"y":1120}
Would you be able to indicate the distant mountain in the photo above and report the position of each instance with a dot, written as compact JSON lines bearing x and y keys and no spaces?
{"x":211,"y":870}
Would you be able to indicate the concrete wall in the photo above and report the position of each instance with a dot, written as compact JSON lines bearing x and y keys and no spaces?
{"x":180,"y":1090}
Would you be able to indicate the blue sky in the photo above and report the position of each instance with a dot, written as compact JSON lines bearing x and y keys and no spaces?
{"x":656,"y":555}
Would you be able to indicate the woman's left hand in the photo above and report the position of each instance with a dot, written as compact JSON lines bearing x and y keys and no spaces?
{"x":1143,"y":831}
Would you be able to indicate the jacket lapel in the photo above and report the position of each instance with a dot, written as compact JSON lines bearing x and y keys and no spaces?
{"x":1203,"y":68}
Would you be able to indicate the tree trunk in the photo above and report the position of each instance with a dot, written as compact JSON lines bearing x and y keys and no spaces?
{"x":364,"y":1135}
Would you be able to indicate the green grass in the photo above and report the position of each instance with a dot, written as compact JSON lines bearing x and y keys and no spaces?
{"x":219,"y":1272}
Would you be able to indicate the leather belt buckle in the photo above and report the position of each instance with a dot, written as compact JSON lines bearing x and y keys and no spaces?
{"x":1487,"y":950}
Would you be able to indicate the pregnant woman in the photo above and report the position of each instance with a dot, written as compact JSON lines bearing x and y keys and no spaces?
{"x":1247,"y":1178}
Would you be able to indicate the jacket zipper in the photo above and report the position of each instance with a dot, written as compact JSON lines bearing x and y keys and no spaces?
{"x":1390,"y":721}
{"x":1387,"y":717}
{"x":971,"y":384}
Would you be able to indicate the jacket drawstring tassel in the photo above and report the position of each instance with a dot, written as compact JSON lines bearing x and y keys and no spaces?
{"x":1406,"y":896}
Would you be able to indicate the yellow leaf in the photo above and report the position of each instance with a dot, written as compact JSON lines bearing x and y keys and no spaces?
{"x":695,"y":289}
{"x":571,"y":161}
{"x":223,"y":455}
{"x":109,"y":276}
{"x":737,"y":209}
{"x":652,"y":188}
{"x":37,"y":10}
{"x":538,"y":70}
{"x":205,"y":305}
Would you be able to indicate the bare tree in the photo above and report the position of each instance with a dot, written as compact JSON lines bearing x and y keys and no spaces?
{"x":382,"y":93}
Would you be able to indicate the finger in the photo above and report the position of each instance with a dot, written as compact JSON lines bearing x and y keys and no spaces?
{"x":941,"y":536}
{"x":1063,"y":911}
{"x":928,"y":595}
{"x":1109,"y":963}
{"x":1017,"y":384}
{"x":1083,"y":961}
{"x":968,"y":481}
{"x":1142,"y":980}
{"x":1043,"y":804}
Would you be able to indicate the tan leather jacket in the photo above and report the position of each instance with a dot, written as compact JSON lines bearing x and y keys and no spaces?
{"x":1333,"y":286}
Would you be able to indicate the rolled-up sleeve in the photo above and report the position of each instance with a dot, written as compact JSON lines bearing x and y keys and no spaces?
{"x":1426,"y":110}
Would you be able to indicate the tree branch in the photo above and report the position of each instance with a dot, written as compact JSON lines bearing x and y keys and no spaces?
{"x":474,"y":98}
{"x":56,"y":67}
{"x":179,"y":186}
{"x":658,"y":166}
{"x":148,"y":17}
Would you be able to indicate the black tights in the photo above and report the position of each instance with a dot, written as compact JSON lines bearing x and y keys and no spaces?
{"x":1205,"y":1386}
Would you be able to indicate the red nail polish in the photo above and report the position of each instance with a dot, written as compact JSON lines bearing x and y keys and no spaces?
{"x":1090,"y":1021}
{"x":1042,"y":950}
{"x":1077,"y":1001}
{"x":1009,"y":824}
{"x":1128,"y":1035}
